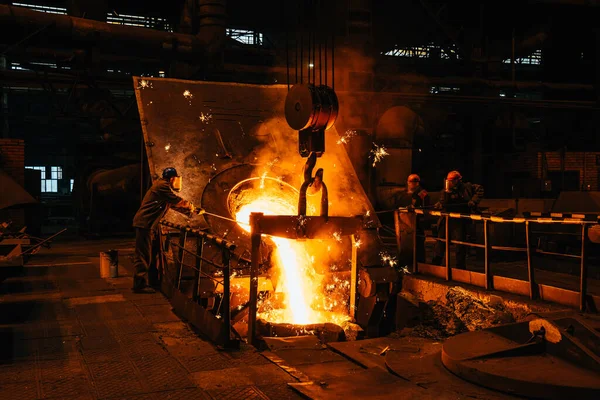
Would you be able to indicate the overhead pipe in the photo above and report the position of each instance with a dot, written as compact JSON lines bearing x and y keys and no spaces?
{"x":126,"y":39}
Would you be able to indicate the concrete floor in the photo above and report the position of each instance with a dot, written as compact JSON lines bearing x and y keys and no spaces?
{"x":66,"y":333}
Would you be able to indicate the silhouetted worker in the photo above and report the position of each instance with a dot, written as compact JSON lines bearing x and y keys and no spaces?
{"x":457,"y":197}
{"x":158,"y":200}
{"x":420,"y":199}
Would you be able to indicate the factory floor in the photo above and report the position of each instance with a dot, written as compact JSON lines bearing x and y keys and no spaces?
{"x":66,"y":333}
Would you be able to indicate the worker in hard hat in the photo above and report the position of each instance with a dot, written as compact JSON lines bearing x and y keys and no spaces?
{"x":420,"y":199}
{"x":160,"y":198}
{"x":457,"y":197}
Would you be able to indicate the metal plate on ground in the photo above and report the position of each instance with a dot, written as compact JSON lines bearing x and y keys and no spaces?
{"x":295,"y":357}
{"x":544,"y":358}
{"x":299,"y":342}
{"x":364,"y":352}
{"x":372,"y":383}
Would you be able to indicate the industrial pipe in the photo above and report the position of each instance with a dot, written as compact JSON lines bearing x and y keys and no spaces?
{"x":130,"y":39}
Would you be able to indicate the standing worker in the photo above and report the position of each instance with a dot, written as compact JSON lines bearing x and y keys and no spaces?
{"x":419,"y":199}
{"x":158,"y":200}
{"x":457,"y":197}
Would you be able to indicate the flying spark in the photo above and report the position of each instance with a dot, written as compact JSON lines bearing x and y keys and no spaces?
{"x":262,"y":180}
{"x":188,"y":95}
{"x":357,"y":243}
{"x":206,"y":118}
{"x":145,"y":84}
{"x":378,"y":153}
{"x":388,"y":259}
{"x":168,"y":147}
{"x":337,"y":236}
{"x":345,"y":139}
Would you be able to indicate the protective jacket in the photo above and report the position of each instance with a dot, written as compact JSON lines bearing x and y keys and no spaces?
{"x":464,"y":198}
{"x":157,"y":201}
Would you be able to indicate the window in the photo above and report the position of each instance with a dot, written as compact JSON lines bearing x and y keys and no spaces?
{"x":49,"y":185}
{"x":71,"y":183}
{"x":139,"y":21}
{"x":246,"y":37}
{"x":428,"y":51}
{"x":534,"y":58}
{"x":46,"y":9}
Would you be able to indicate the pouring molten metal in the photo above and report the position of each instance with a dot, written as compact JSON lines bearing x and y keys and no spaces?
{"x":308,"y":298}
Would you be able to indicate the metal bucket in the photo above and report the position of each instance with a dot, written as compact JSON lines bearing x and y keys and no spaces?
{"x":109,"y":264}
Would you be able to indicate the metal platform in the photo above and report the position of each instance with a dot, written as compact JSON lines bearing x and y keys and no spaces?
{"x":549,"y":358}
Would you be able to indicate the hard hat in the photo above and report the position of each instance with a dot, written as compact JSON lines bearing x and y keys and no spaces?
{"x":169,"y":173}
{"x":413,"y":178}
{"x":453,"y":175}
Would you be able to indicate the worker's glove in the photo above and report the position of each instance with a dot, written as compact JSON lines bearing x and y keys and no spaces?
{"x":471,"y":204}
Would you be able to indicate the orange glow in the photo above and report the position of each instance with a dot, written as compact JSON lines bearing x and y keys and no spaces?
{"x":305,"y":301}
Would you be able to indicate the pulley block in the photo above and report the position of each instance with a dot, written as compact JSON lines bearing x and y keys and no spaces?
{"x":311,"y":110}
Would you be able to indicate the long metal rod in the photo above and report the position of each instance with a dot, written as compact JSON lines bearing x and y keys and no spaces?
{"x":301,"y":65}
{"x":287,"y":48}
{"x":182,"y":240}
{"x":226,"y":312}
{"x":353,"y":277}
{"x":415,"y":266}
{"x":530,"y":270}
{"x":447,"y":254}
{"x":253,"y":296}
{"x":583,"y":266}
{"x":42,"y":242}
{"x":199,"y":250}
{"x":325,"y":52}
{"x":486,"y":255}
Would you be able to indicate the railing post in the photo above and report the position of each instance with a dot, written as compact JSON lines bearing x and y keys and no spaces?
{"x":489,"y":283}
{"x":530,"y":271}
{"x":447,"y":257}
{"x":415,"y":266}
{"x":583,"y":278}
{"x":226,"y":308}
{"x":197,"y":272}
{"x":353,"y":277}
{"x":255,"y":261}
{"x":182,"y":240}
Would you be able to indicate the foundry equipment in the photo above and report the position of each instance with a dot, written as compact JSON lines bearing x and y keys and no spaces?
{"x":231,"y":145}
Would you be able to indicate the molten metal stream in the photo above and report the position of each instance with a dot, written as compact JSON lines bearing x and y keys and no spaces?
{"x":299,"y":282}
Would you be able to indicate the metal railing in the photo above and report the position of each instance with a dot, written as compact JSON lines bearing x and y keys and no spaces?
{"x":217,"y":326}
{"x":488,"y":280}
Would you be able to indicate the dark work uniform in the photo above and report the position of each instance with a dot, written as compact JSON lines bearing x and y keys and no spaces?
{"x":420,"y":199}
{"x":457,"y":201}
{"x":157,"y":201}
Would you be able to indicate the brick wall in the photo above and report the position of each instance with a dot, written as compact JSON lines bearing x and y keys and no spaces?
{"x":584,"y":163}
{"x":12,"y":161}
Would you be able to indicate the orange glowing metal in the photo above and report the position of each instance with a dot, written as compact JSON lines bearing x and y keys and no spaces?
{"x":299,"y":282}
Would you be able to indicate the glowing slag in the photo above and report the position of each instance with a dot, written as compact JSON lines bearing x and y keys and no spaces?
{"x":298,"y":281}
